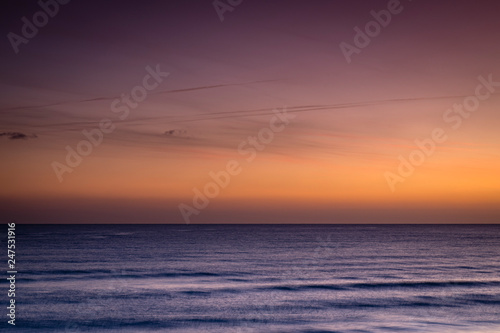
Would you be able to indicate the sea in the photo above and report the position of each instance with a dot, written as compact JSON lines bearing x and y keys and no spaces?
{"x":255,"y":278}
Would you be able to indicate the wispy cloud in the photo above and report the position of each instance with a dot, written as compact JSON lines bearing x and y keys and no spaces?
{"x":17,"y":135}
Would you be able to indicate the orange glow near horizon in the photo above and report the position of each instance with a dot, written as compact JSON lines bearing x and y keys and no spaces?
{"x":329,"y":133}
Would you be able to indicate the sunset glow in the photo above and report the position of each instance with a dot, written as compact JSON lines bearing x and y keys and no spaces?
{"x":178,"y":101}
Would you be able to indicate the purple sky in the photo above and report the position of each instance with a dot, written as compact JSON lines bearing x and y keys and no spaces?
{"x":225,"y":79}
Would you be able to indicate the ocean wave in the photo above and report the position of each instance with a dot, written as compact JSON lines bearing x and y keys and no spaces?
{"x":385,"y":285}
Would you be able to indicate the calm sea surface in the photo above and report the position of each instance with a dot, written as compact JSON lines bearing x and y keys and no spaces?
{"x":244,"y":278}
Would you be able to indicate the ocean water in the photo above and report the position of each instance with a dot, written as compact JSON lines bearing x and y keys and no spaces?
{"x":256,"y":278}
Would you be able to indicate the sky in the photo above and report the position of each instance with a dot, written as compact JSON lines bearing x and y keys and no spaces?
{"x":239,"y":111}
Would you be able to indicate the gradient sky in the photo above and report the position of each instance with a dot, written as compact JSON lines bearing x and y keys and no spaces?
{"x":352,"y":120}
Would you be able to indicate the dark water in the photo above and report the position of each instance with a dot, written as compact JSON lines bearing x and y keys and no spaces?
{"x":284,"y":278}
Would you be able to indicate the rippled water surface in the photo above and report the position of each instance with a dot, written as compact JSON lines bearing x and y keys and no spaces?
{"x":275,"y":278}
